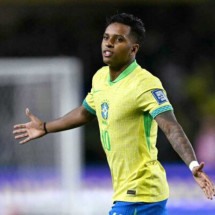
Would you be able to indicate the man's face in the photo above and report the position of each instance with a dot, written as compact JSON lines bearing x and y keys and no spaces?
{"x":117,"y":45}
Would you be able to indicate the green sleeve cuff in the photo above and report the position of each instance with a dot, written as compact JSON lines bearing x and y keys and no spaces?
{"x":88,"y":108}
{"x":161,"y":110}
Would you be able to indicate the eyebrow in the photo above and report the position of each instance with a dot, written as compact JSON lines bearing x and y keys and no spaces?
{"x":118,"y":35}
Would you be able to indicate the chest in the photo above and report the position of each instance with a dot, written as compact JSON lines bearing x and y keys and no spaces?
{"x":115,"y":102}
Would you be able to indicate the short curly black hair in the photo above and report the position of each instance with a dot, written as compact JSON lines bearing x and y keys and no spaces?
{"x":137,"y":27}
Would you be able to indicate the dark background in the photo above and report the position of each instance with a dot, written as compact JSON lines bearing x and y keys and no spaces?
{"x":179,"y":49}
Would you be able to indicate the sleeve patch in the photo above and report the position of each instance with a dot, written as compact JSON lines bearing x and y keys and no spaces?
{"x":159,"y":96}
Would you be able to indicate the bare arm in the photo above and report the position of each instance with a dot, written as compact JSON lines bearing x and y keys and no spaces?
{"x":73,"y":119}
{"x":176,"y":136}
{"x":181,"y":144}
{"x":35,"y":127}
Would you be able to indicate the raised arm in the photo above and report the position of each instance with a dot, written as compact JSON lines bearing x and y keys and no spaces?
{"x":36,"y":128}
{"x":181,"y":144}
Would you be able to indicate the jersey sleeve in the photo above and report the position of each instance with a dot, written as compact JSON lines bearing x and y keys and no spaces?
{"x":88,"y":103}
{"x":154,"y":100}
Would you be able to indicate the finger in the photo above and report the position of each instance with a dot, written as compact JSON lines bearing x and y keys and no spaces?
{"x":198,"y":169}
{"x":201,"y":166}
{"x":19,"y":126}
{"x":25,"y":140}
{"x":208,"y":180}
{"x":209,"y":188}
{"x":211,"y":185}
{"x":208,"y":192}
{"x":206,"y":184}
{"x":212,"y":190}
{"x":21,"y":136}
{"x":29,"y":114}
{"x":205,"y":188}
{"x":17,"y":131}
{"x":205,"y":192}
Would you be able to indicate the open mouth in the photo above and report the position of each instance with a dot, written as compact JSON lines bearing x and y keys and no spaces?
{"x":107,"y":53}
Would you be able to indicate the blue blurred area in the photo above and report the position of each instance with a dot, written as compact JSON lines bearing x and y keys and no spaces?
{"x":185,"y":195}
{"x":181,"y":211}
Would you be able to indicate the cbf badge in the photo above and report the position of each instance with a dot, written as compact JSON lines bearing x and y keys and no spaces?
{"x":159,"y":96}
{"x":104,"y":110}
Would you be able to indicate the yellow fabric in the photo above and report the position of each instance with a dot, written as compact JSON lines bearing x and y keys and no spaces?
{"x":125,"y":111}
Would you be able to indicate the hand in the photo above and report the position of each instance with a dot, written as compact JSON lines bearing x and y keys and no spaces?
{"x":204,"y":181}
{"x":31,"y":130}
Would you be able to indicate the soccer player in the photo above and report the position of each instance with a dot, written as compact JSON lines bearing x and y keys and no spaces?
{"x":129,"y":103}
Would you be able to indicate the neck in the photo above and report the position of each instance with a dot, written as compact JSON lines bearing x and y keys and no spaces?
{"x":117,"y":70}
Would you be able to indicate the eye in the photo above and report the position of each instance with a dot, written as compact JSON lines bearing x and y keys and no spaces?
{"x":105,"y":37}
{"x":120,"y":39}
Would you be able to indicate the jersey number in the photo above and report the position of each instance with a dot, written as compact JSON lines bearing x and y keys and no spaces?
{"x":106,"y":140}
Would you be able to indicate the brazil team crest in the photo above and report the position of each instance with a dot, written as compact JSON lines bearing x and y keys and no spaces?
{"x":104,"y":110}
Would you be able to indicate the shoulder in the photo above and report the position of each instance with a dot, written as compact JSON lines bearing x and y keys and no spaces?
{"x":101,"y":72}
{"x":146,"y":80}
{"x":144,"y":74}
{"x":100,"y":76}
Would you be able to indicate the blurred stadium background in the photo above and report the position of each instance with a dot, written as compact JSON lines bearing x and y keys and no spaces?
{"x":49,"y":52}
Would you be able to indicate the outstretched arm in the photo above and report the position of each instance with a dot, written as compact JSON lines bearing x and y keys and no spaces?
{"x":181,"y":144}
{"x":36,"y":128}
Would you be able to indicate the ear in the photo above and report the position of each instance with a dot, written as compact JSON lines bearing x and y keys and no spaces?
{"x":135,"y":48}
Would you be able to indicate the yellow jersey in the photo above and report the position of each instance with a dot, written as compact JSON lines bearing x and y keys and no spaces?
{"x":126,"y":108}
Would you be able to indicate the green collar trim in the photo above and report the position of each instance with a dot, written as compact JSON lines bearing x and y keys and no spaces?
{"x":124,"y":73}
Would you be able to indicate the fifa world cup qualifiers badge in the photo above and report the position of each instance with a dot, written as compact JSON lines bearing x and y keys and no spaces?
{"x":104,"y":110}
{"x":159,"y":96}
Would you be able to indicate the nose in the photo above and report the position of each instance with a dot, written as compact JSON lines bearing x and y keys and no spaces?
{"x":109,"y":43}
